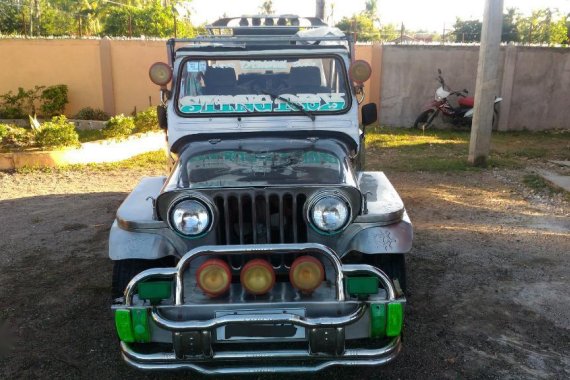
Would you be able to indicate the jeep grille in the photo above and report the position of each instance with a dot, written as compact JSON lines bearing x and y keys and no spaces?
{"x":252,"y":217}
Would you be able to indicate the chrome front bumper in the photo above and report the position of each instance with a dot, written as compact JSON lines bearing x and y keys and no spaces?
{"x":325,"y":333}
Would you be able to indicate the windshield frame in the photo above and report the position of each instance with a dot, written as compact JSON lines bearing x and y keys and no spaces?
{"x":343,"y":73}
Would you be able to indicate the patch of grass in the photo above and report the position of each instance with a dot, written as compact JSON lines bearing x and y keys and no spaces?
{"x":540,"y":185}
{"x":535,"y":182}
{"x":402,"y":149}
{"x":88,"y":135}
{"x":151,"y":161}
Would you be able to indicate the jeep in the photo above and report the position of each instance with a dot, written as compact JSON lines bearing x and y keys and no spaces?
{"x":268,"y":248}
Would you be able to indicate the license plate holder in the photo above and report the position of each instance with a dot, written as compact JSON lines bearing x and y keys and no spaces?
{"x":260,"y":331}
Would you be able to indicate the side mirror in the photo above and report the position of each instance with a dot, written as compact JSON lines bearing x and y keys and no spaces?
{"x":161,"y":115}
{"x":369,"y":114}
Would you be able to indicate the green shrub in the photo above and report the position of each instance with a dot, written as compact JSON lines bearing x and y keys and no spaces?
{"x":146,"y":121}
{"x":12,"y":105}
{"x":3,"y":131}
{"x":89,"y":113}
{"x":54,"y":99}
{"x":14,"y":137}
{"x":119,"y":126}
{"x":20,"y":104}
{"x":57,"y":133}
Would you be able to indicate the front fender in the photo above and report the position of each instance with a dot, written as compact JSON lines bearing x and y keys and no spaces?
{"x":371,"y":238}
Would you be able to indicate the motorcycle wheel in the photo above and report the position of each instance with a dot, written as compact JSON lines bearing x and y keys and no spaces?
{"x":425,"y":120}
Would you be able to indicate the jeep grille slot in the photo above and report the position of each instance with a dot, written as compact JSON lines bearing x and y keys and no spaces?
{"x":260,"y":218}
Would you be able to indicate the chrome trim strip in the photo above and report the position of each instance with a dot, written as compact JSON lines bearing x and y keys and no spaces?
{"x":351,"y":357}
{"x":293,"y":319}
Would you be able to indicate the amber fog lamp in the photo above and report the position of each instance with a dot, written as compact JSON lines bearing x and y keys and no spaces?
{"x":214,"y":277}
{"x":306,"y":274}
{"x":360,"y":71}
{"x":160,"y":73}
{"x":257,"y":277}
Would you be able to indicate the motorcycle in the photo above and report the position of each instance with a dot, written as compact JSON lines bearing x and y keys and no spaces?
{"x":462,"y":115}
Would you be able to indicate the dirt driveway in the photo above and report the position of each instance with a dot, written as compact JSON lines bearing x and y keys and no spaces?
{"x":489,"y":277}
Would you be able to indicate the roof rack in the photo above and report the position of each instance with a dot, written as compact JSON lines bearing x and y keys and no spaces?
{"x":263,"y":25}
{"x":258,"y":30}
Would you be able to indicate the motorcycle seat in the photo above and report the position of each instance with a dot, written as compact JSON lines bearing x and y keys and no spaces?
{"x":467,"y":101}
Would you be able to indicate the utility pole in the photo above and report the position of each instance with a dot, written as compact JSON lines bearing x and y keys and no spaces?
{"x":487,"y":83}
{"x":320,"y":9}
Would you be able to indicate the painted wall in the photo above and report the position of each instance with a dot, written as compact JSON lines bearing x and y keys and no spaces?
{"x":107,"y":74}
{"x":76,"y":63}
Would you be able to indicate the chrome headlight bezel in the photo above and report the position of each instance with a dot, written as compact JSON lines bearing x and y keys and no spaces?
{"x":309,"y":211}
{"x":204,"y":202}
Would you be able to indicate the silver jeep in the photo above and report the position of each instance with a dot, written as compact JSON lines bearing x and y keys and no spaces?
{"x":268,"y":248}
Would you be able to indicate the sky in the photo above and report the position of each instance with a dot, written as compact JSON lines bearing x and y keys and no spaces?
{"x":430,"y":15}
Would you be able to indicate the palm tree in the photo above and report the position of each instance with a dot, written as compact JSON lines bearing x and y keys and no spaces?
{"x":267,"y":7}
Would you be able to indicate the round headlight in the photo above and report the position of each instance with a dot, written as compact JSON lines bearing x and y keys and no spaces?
{"x":330,"y":213}
{"x":160,"y":73}
{"x":190,"y":217}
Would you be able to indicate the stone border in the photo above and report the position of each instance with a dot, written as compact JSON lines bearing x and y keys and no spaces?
{"x":94,"y":152}
{"x":79,"y":124}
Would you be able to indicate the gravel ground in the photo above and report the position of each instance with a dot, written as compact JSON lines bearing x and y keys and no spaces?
{"x":488,"y":278}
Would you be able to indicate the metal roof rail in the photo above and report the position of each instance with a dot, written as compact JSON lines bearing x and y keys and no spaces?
{"x":263,"y":25}
{"x":232,"y":31}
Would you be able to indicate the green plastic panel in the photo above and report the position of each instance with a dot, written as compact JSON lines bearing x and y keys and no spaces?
{"x":377,"y":320}
{"x":141,"y":330}
{"x":362,"y":286}
{"x":124,"y":326}
{"x":395,"y":319}
{"x":154,"y":291}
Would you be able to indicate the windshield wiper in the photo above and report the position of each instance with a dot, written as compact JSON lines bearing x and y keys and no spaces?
{"x":291,"y":103}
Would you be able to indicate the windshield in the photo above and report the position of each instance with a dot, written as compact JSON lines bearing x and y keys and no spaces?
{"x":255,"y":86}
{"x":259,"y":163}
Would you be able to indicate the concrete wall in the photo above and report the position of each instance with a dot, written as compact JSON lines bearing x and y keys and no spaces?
{"x":76,"y":63}
{"x":540,"y":95}
{"x":372,"y":54}
{"x":534,"y":83}
{"x":108,"y":74}
{"x":113,"y":75}
{"x":409,"y":77}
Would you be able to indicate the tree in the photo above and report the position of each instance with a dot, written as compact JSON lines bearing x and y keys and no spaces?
{"x":154,"y":19}
{"x":371,"y":10}
{"x":360,"y":24}
{"x":266,"y":7}
{"x":559,"y":31}
{"x":542,"y":28}
{"x":467,"y":31}
{"x":94,"y":17}
{"x":510,"y":32}
{"x":12,"y":18}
